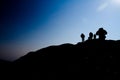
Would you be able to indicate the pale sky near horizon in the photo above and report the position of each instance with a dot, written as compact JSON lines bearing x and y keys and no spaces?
{"x":29,"y":25}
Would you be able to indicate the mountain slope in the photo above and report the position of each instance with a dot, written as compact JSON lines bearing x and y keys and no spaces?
{"x":67,"y":61}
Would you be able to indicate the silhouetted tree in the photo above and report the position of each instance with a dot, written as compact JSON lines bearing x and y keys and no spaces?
{"x":90,"y":36}
{"x":101,"y":33}
{"x":83,"y":37}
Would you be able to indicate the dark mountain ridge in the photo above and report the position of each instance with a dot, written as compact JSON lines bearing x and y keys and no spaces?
{"x":92,"y":45}
{"x":92,"y":59}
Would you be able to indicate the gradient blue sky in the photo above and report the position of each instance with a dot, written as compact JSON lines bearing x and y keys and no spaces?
{"x":29,"y":25}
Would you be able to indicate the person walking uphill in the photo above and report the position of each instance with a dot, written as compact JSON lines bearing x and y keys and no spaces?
{"x":101,"y":33}
{"x":90,"y":36}
{"x":83,"y":37}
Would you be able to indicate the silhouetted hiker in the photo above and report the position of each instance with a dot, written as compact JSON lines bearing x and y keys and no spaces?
{"x":90,"y":36}
{"x":94,"y":36}
{"x":83,"y":37}
{"x":101,"y":33}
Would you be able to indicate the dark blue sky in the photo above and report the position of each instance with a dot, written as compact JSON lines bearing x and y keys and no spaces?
{"x":20,"y":17}
{"x":29,"y":25}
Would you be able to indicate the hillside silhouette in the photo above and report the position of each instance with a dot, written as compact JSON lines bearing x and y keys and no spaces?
{"x":95,"y":58}
{"x":92,"y":59}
